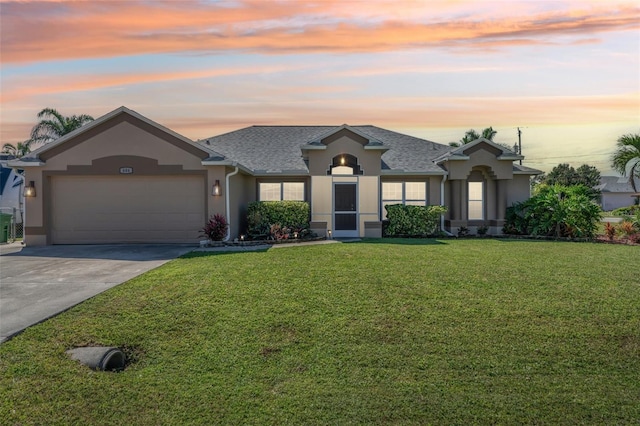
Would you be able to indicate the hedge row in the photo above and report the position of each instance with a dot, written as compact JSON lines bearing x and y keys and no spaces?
{"x":264,"y":217}
{"x":414,"y":221}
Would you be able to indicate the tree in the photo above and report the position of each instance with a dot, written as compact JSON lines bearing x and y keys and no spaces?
{"x":54,"y":125}
{"x":471,"y":135}
{"x":566,"y":175}
{"x":588,"y":176}
{"x":562,"y":174}
{"x":18,"y":150}
{"x":626,"y":159}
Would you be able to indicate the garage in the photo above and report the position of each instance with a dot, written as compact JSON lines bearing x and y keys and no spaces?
{"x":127,"y":209}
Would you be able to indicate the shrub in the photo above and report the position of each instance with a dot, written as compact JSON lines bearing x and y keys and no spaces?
{"x":627,"y":228}
{"x":559,"y":211}
{"x":280,"y":233}
{"x":216,"y":228}
{"x":290,"y":215}
{"x":482,"y":230}
{"x":626,"y":211}
{"x":463,"y":231}
{"x":412,"y":221}
{"x":610,"y":230}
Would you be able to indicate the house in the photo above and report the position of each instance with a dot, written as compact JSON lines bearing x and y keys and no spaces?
{"x":616,"y":192}
{"x":125,"y":178}
{"x":10,"y":190}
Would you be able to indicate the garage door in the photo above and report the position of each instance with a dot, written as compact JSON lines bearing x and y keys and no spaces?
{"x":127,"y":209}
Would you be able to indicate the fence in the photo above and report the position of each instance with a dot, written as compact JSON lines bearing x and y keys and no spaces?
{"x":11,"y":224}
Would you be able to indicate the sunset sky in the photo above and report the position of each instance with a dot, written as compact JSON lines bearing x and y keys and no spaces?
{"x":566,"y":72}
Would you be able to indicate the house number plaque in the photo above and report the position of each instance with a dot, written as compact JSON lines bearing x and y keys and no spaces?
{"x":126,"y":170}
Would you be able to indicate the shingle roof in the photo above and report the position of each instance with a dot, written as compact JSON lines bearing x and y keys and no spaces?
{"x":265,"y":149}
{"x":525,"y":170}
{"x":616,"y":184}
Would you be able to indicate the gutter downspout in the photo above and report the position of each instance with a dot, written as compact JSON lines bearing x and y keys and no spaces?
{"x":226,"y":202}
{"x":444,"y":179}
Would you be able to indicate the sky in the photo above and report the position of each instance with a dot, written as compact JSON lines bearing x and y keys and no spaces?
{"x":567,"y":73}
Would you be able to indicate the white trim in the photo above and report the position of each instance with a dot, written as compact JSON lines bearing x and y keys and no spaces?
{"x":226,"y":201}
{"x":345,"y":233}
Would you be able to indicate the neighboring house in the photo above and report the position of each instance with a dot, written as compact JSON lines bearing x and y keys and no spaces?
{"x":125,"y":178}
{"x":10,"y":189}
{"x":616,"y":192}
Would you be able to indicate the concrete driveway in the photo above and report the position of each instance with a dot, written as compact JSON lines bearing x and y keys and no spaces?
{"x":37,"y":283}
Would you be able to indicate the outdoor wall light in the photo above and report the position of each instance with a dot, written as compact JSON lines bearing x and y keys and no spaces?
{"x":242,"y":237}
{"x":342,"y":161}
{"x":30,"y":190}
{"x":329,"y":233}
{"x":216,"y":188}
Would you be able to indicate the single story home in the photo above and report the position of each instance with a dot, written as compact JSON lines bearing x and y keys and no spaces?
{"x":125,"y":179}
{"x":616,"y":192}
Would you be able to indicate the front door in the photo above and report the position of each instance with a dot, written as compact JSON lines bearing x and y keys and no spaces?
{"x":345,"y":210}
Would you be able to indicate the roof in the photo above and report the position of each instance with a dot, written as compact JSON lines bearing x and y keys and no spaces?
{"x":616,"y":184}
{"x":458,"y":153}
{"x":278,"y":149}
{"x":519,"y":169}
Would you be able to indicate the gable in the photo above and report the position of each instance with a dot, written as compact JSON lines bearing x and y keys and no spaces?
{"x":483,"y":146}
{"x":122,"y":137}
{"x":344,"y":133}
{"x":112,"y":128}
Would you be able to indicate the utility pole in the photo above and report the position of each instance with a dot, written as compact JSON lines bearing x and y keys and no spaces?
{"x":520,"y":143}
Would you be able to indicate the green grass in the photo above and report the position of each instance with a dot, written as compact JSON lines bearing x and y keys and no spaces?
{"x":379,"y":332}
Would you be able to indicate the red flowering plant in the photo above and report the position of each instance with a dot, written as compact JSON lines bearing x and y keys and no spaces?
{"x":216,"y":228}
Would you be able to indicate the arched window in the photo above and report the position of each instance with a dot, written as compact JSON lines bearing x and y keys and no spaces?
{"x":344,"y":164}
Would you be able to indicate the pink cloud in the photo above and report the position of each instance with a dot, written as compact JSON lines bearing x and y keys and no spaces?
{"x":18,"y":89}
{"x":50,"y":31}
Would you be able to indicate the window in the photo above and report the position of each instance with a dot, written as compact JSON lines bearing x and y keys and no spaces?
{"x":476,"y":200}
{"x":407,"y":193}
{"x":279,"y":191}
{"x":293,"y":191}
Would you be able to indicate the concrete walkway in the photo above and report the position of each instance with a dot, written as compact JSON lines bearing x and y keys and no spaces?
{"x":37,"y":283}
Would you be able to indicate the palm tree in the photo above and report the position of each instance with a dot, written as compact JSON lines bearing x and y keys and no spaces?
{"x":18,"y":150}
{"x":626,"y":159}
{"x":471,"y":135}
{"x":489,"y":133}
{"x":53,"y":125}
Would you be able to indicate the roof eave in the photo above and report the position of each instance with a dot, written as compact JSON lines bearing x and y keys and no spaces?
{"x":225,"y":163}
{"x":402,"y":172}
{"x":19,"y":163}
{"x":452,"y":158}
{"x":313,"y":147}
{"x":510,"y":157}
{"x":527,"y":172}
{"x":376,"y":147}
{"x":270,"y":173}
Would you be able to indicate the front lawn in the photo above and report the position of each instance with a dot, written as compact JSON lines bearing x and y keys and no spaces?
{"x":383,"y":332}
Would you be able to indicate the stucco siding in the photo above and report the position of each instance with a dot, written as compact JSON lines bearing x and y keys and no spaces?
{"x":124,"y":139}
{"x":518,"y":189}
{"x":320,"y":161}
{"x":321,"y":202}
